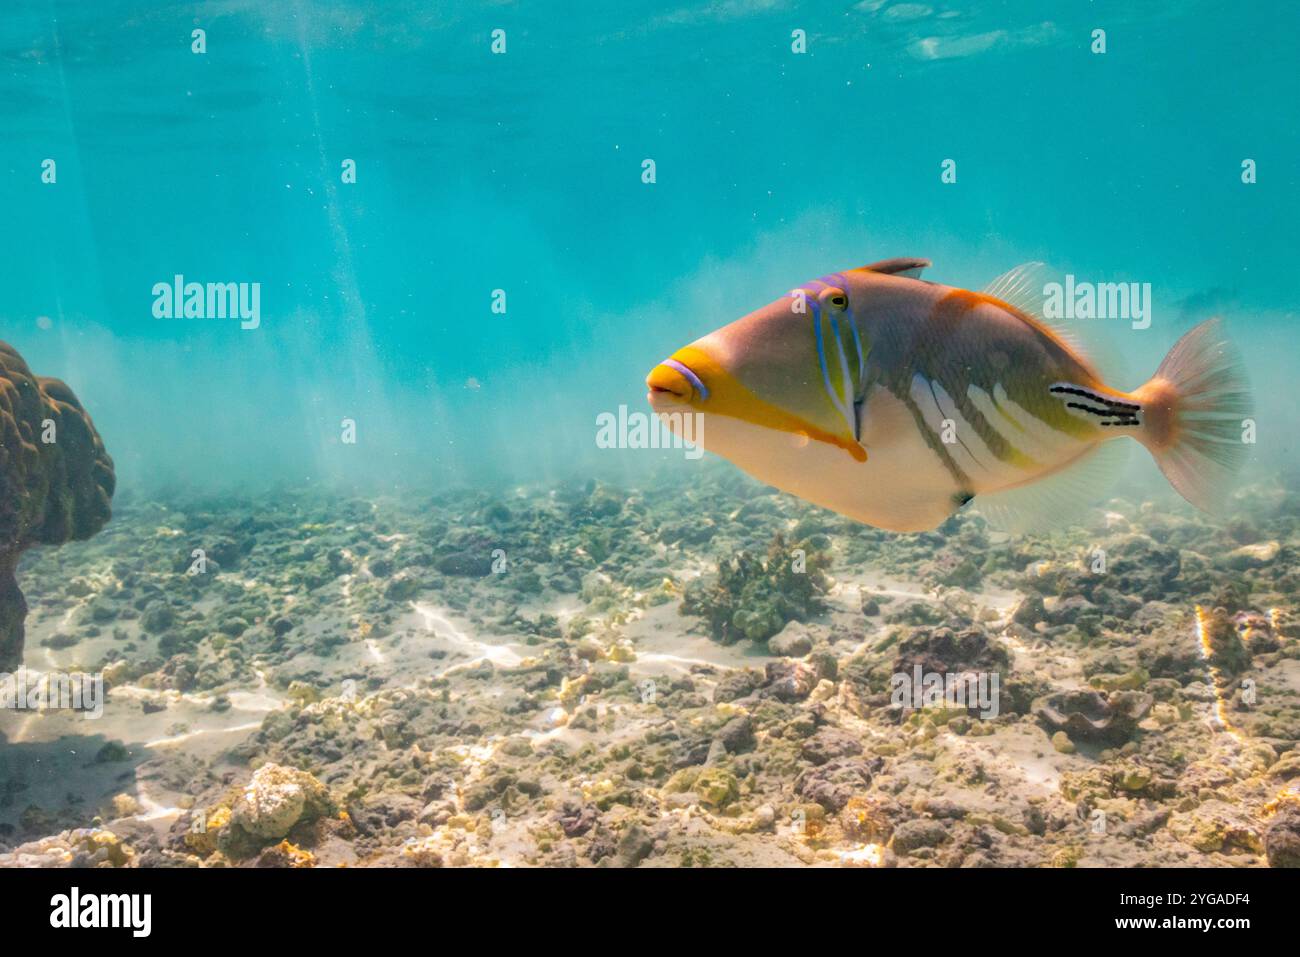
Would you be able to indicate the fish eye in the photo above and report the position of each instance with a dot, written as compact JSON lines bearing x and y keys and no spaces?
{"x":836,"y":297}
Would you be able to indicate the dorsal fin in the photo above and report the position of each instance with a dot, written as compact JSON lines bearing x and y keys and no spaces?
{"x":908,"y":266}
{"x":1021,"y":287}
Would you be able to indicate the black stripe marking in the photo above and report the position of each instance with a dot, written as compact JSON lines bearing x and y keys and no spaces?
{"x":932,"y":439}
{"x":994,"y":440}
{"x":1119,"y":418}
{"x":1093,"y":396}
{"x":1086,"y":408}
{"x":960,"y":441}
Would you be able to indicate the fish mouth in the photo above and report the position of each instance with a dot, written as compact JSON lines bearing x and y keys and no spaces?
{"x":671,"y":383}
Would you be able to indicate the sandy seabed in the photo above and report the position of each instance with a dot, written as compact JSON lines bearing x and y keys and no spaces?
{"x":682,"y":675}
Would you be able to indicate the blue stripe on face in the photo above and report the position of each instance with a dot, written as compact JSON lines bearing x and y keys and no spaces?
{"x":819,"y":333}
{"x":841,"y":283}
{"x":816,"y":305}
{"x":835,"y":280}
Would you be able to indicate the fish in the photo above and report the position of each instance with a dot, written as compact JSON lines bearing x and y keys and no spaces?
{"x":897,"y":401}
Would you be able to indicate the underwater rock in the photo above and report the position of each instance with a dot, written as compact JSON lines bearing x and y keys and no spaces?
{"x":830,"y":743}
{"x":1252,"y":556}
{"x":82,"y":847}
{"x":1093,"y":716}
{"x":918,"y":833}
{"x":870,"y":817}
{"x":951,"y":568}
{"x":737,"y":735}
{"x":285,"y":854}
{"x":835,"y":783}
{"x":790,"y":680}
{"x":1282,"y":837}
{"x":1137,"y":566}
{"x":792,"y":642}
{"x":1216,"y":826}
{"x":468,"y":564}
{"x":56,"y":481}
{"x":404,"y":586}
{"x":1223,"y":642}
{"x":1257,"y":634}
{"x":634,"y":846}
{"x":275,"y":801}
{"x":576,"y":818}
{"x":944,"y":651}
{"x":1030,"y":611}
{"x":158,"y":617}
{"x":386,"y":810}
{"x":737,"y":684}
{"x":716,"y":787}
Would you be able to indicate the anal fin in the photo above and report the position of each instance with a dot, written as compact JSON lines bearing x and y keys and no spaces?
{"x":1062,"y":497}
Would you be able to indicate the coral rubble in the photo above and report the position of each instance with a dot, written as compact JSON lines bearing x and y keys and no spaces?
{"x":696,"y":674}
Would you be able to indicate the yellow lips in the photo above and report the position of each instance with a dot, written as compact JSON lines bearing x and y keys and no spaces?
{"x":726,"y":396}
{"x":666,"y":381}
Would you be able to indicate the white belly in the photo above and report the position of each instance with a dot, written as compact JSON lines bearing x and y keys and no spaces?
{"x":903,"y":485}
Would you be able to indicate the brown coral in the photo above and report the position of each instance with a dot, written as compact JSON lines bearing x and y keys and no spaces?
{"x":56,"y":481}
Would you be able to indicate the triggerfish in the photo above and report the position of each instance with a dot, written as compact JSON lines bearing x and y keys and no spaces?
{"x":897,"y":401}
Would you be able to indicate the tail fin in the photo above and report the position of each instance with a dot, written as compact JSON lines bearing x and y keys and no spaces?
{"x":1194,"y":409}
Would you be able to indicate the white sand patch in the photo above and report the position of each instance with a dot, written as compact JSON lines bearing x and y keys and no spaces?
{"x":664,"y":646}
{"x":437,"y":622}
{"x":191,"y":735}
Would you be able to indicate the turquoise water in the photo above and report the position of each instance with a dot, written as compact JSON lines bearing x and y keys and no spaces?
{"x":368,"y":551}
{"x":522,"y":171}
